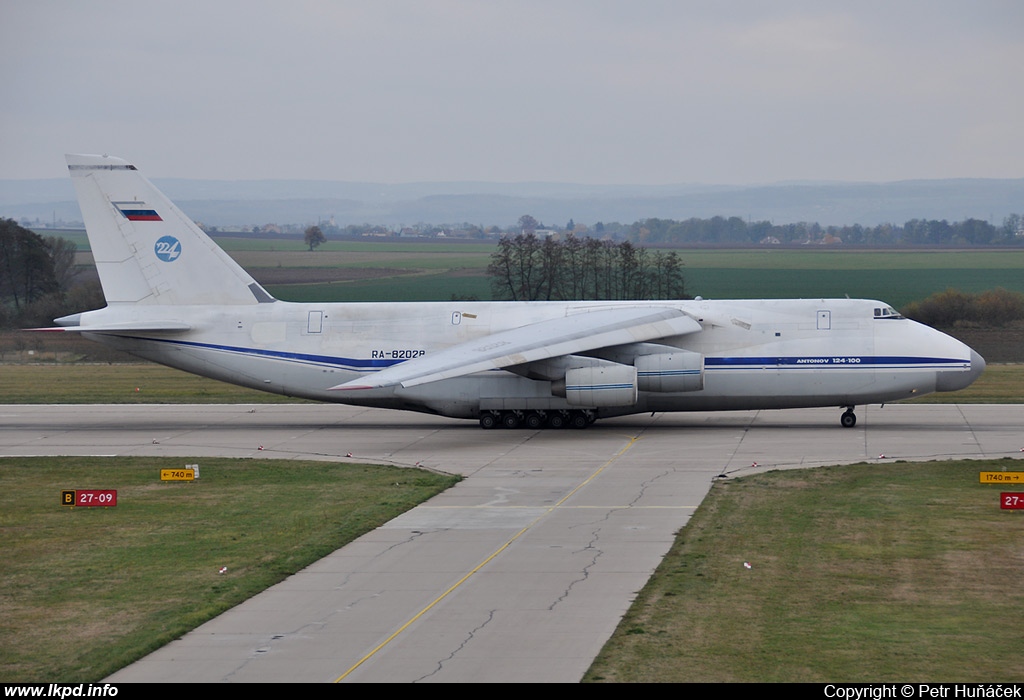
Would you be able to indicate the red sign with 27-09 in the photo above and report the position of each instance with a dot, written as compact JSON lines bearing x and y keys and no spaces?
{"x":1011,"y":501}
{"x":89,"y":498}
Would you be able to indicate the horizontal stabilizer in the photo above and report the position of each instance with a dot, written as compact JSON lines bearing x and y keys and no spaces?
{"x":126,"y":328}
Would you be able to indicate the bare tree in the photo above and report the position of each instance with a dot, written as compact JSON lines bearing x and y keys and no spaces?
{"x":528,"y":224}
{"x":503,"y":284}
{"x":524,"y":268}
{"x":26,"y":268}
{"x":62,"y":252}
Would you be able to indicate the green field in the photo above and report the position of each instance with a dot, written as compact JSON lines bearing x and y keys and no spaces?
{"x":895,"y":277}
{"x":372,"y":247}
{"x":410,"y":270}
{"x":427,"y":287}
{"x":896,"y":287}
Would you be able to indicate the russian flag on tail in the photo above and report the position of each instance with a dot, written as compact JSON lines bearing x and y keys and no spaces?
{"x":137,"y":211}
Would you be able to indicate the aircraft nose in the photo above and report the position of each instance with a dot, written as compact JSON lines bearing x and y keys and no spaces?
{"x":953,"y":381}
{"x":977,"y":366}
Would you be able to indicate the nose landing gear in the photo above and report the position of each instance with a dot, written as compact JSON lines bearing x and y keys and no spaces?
{"x":849,"y":418}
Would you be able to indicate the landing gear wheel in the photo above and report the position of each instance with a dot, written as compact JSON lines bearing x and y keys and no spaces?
{"x":556,"y":420}
{"x":578,"y":420}
{"x":510,"y":420}
{"x":534,"y":420}
{"x":848,"y":419}
{"x":488,"y":420}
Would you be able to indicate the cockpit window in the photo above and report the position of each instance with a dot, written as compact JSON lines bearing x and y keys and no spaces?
{"x":886,"y":312}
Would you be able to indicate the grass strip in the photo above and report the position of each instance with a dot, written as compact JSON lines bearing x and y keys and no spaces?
{"x":86,"y":591}
{"x":117,"y":384}
{"x":862,"y":573}
{"x":120,"y":384}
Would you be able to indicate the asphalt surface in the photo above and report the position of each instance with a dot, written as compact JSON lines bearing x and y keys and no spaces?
{"x":522,"y":571}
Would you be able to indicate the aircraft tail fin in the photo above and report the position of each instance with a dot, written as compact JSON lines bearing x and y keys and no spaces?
{"x":148,"y":251}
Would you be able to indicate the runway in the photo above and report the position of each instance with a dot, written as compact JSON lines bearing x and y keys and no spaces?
{"x":520,"y":572}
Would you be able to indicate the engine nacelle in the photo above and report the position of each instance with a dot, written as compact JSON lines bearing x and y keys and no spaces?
{"x":670,"y":372}
{"x":601,"y":385}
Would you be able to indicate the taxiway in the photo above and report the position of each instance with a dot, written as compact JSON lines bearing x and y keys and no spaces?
{"x":521,"y":571}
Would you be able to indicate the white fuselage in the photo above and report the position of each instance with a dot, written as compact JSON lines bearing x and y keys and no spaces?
{"x":755,"y":353}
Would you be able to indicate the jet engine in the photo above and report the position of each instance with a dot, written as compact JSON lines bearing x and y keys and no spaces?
{"x":670,"y":372}
{"x":606,"y":384}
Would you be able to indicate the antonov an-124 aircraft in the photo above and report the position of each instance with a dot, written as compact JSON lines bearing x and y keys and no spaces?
{"x":176,"y":298}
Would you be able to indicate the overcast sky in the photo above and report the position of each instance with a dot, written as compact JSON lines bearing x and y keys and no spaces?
{"x":597,"y":92}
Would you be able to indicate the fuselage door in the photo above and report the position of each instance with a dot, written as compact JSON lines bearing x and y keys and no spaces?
{"x":824,"y":320}
{"x":316,"y":322}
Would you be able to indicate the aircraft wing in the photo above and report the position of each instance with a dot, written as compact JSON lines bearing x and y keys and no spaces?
{"x":126,"y":328}
{"x":537,"y":341}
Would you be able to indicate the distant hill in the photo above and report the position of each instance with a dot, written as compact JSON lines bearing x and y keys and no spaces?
{"x":256,"y":202}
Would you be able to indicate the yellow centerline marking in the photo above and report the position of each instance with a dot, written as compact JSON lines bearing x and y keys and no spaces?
{"x":548,"y":507}
{"x":482,"y":564}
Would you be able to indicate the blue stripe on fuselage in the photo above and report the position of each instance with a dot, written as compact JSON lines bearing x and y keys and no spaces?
{"x":843,"y":362}
{"x":348,"y":363}
{"x":710,"y":363}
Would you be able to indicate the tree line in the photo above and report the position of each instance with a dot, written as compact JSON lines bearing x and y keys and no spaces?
{"x":736,"y":231}
{"x":526,"y":267}
{"x":733,"y":230}
{"x":952,"y":307}
{"x":37,"y":278}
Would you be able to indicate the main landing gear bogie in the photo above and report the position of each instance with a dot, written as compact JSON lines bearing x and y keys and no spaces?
{"x":849,"y":418}
{"x":536,"y":420}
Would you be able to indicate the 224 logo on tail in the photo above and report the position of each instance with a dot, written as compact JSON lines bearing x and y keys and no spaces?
{"x":168,"y":248}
